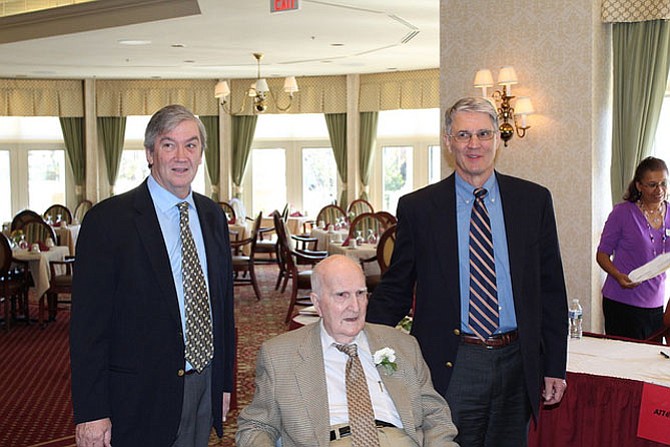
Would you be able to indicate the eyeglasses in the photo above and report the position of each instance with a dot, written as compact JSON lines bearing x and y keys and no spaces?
{"x":654,"y":185}
{"x":463,"y":136}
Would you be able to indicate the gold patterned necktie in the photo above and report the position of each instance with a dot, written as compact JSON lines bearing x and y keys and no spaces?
{"x":199,"y":343}
{"x":361,"y":415}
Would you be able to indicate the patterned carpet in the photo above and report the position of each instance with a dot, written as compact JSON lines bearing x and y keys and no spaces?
{"x":35,"y":406}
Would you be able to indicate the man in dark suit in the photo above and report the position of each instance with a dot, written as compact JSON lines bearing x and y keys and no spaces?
{"x":134,"y":381}
{"x":301,"y":391}
{"x":493,"y":379}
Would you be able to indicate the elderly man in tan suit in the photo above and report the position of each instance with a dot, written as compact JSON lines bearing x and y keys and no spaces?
{"x":304,"y":387}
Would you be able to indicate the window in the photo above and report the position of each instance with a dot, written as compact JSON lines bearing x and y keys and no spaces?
{"x":434,"y":163}
{"x":662,"y":140}
{"x":46,"y":178}
{"x":397,"y":178}
{"x":268,"y":178}
{"x":6,"y":187}
{"x":319,"y":179}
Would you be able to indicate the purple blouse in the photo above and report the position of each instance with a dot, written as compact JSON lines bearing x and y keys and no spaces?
{"x":633,"y":242}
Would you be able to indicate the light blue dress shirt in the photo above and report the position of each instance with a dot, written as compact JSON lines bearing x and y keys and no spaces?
{"x":464,"y":201}
{"x":167,"y":212}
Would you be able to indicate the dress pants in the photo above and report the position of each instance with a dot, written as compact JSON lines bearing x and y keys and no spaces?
{"x":196,"y":413}
{"x":487,"y":396}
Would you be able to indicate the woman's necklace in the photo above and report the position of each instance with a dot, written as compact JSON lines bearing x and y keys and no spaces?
{"x":655,"y":218}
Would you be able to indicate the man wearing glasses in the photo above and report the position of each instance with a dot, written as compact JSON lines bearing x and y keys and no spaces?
{"x":478,"y":253}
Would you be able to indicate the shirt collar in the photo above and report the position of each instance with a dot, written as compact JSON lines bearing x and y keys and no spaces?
{"x":163,"y":199}
{"x":465,"y":191}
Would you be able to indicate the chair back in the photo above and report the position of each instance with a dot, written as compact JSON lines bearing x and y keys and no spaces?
{"x":229,"y":210}
{"x":284,"y":213}
{"x":254,"y":234}
{"x":385,"y":248}
{"x":330,"y":214}
{"x":23,"y":217}
{"x":386,"y":218}
{"x":57,"y":213}
{"x":365,"y":223}
{"x":38,"y":231}
{"x":5,"y":256}
{"x":81,"y":210}
{"x":285,"y":256}
{"x":360,"y":206}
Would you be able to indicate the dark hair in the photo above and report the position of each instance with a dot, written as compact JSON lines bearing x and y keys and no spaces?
{"x":632,"y":194}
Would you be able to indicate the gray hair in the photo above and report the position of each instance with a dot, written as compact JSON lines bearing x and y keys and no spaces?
{"x":167,"y":119}
{"x":477,"y":104}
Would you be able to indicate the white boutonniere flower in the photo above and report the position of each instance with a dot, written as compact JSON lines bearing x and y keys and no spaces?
{"x":385,"y":360}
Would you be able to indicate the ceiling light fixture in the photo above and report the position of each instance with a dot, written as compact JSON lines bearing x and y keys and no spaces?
{"x":258,"y":90}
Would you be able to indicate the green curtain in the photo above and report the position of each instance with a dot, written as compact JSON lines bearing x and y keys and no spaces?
{"x":243,"y":128}
{"x":212,"y":158}
{"x":337,"y":129}
{"x":112,"y":129}
{"x":641,"y":63}
{"x":73,"y":136}
{"x":367,"y":142}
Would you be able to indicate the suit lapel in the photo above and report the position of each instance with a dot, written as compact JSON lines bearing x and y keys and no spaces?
{"x":149,"y":232}
{"x":513,"y":213}
{"x":444,"y":231}
{"x":311,"y":380}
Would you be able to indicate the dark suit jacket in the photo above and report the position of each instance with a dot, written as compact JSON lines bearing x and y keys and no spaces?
{"x":291,"y":399}
{"x":426,"y":254}
{"x":126,"y":343}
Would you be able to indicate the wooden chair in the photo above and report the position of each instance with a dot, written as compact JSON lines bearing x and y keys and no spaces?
{"x":366,"y":223}
{"x":57,"y":212}
{"x":60,"y":283}
{"x":360,"y":206}
{"x":38,"y":231}
{"x":243,"y":265}
{"x":229,"y":210}
{"x":267,"y":244}
{"x":81,"y":210}
{"x":385,"y":247}
{"x":301,"y":279}
{"x":23,"y":217}
{"x":14,"y":283}
{"x":330,"y":214}
{"x":387,"y":218}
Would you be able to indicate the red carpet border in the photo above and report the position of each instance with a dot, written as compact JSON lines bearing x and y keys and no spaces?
{"x":35,"y":404}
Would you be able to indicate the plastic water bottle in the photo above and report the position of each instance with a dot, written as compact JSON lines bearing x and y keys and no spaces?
{"x":575,"y":317}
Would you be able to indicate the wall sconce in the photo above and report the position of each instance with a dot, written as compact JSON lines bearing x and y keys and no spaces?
{"x":258,"y":91}
{"x":507,"y":115}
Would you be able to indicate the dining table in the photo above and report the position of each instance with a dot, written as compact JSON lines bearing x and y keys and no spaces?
{"x":358,"y":253}
{"x":38,"y":263}
{"x":238,"y":232}
{"x":67,"y":236}
{"x":326,"y":236}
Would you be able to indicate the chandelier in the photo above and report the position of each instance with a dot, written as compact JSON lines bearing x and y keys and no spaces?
{"x":258,"y":91}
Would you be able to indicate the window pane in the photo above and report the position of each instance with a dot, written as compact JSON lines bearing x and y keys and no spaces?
{"x":662,"y":141}
{"x":434,"y":163}
{"x":319,"y":179}
{"x":268,"y":180}
{"x":133,"y":170}
{"x":46,"y":179}
{"x":396,"y":175}
{"x":6,"y":188}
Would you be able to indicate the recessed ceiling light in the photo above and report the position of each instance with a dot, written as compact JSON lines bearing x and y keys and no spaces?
{"x":336,"y":44}
{"x":178,"y":45}
{"x":133,"y":42}
{"x":189,"y":61}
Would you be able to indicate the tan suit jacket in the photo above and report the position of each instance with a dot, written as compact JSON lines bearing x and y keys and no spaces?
{"x":291,"y":400}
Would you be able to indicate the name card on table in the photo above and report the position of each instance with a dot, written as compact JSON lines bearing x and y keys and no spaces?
{"x":654,"y":421}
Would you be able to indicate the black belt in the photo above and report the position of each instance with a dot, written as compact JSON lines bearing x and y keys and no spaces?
{"x":346,"y":431}
{"x":494,"y":341}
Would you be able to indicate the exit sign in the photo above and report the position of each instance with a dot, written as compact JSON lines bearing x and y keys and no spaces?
{"x":284,"y":5}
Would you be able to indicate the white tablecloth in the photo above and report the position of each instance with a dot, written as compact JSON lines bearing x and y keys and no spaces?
{"x":365,"y":251}
{"x":39,"y":265}
{"x":324,"y":238}
{"x":67,"y":236}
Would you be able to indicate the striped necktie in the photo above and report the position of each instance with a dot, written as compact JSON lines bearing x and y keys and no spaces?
{"x":199,"y":343}
{"x":483,"y":312}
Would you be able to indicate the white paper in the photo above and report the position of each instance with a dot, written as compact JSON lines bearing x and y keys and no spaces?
{"x":653,"y":268}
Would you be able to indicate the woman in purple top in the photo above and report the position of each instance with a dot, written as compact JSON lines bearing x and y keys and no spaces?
{"x":636,"y":232}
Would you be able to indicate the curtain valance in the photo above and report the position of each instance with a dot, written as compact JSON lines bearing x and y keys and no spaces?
{"x":418,"y":89}
{"x":144,"y":97}
{"x":619,"y":11}
{"x":41,"y":97}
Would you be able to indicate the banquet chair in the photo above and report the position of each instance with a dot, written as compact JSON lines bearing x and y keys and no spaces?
{"x":60,"y":283}
{"x":23,"y":217}
{"x":365,"y":223}
{"x":81,"y":210}
{"x":387,"y":218}
{"x":385,"y":247}
{"x":243,"y":265}
{"x":229,"y":210}
{"x":267,"y":244}
{"x":359,"y":206}
{"x":57,"y":213}
{"x":14,"y":283}
{"x":300,"y":279}
{"x":38,"y":232}
{"x":330,"y":214}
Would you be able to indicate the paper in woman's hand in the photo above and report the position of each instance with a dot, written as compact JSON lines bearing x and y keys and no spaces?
{"x":653,"y":268}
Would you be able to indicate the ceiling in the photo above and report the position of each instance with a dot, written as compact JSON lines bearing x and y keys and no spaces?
{"x":321,"y":38}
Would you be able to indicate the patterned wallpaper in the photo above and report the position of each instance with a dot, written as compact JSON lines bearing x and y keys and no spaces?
{"x":561,"y":56}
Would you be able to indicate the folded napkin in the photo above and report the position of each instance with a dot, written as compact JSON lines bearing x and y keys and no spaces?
{"x":346,"y":242}
{"x":42,"y":245}
{"x":296,"y":214}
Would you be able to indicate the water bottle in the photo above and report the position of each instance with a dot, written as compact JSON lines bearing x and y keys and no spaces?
{"x":575,"y":316}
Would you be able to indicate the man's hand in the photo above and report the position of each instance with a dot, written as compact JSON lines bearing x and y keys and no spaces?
{"x":553,"y":390}
{"x":94,"y":433}
{"x":226,"y":405}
